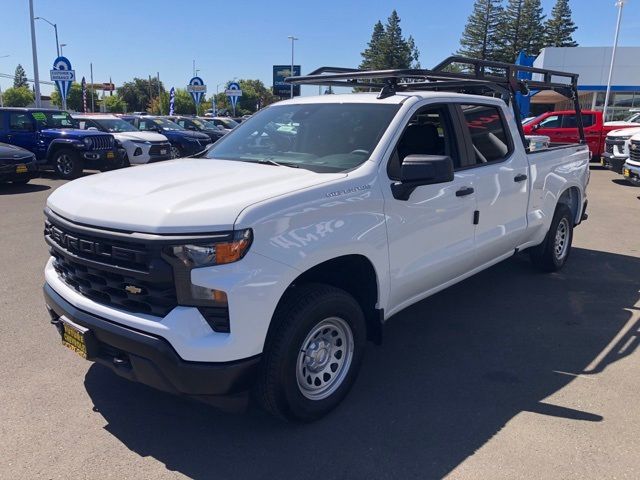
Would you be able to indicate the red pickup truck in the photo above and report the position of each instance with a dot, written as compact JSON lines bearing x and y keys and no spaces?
{"x":561,"y":127}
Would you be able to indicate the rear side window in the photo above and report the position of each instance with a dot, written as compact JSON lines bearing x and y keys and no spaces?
{"x":20,"y":122}
{"x":569,"y":121}
{"x":488,"y":133}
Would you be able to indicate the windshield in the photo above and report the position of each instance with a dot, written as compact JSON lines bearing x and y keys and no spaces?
{"x":53,"y":120}
{"x":202,"y":124}
{"x":634,"y":117}
{"x":324,"y":137}
{"x":115,"y":125}
{"x":165,"y":124}
{"x":225,"y":122}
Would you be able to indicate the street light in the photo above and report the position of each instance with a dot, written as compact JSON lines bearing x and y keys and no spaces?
{"x":619,"y":4}
{"x":293,"y":39}
{"x":62,"y":45}
{"x":55,"y":27}
{"x":34,"y":53}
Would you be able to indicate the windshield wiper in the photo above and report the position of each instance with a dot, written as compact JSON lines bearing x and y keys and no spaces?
{"x":271,"y":161}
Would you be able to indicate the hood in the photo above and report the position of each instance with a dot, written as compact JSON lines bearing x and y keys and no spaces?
{"x":140,"y":136}
{"x":179,"y":196}
{"x":9,"y":152}
{"x":625,"y":132}
{"x":71,"y":132}
{"x":621,"y":123}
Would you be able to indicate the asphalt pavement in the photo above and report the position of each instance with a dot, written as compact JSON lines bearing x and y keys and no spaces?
{"x":510,"y":374}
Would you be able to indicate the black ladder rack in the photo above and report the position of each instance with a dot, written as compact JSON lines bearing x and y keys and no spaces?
{"x":479,"y":77}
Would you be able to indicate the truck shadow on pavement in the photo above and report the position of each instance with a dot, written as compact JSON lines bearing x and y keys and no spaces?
{"x":452,"y":371}
{"x":16,"y":188}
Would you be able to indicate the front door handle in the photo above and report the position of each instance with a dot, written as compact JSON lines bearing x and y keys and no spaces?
{"x":520,"y":178}
{"x":464,"y":191}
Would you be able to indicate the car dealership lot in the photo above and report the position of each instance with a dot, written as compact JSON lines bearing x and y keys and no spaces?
{"x":510,"y":374}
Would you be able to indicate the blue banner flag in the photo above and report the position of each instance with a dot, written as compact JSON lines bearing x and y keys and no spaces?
{"x":172,"y":100}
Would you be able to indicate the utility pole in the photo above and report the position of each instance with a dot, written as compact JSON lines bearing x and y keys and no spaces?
{"x":293,"y":39}
{"x":159,"y":93}
{"x":91,"y":69}
{"x":619,"y":4}
{"x":36,"y":75}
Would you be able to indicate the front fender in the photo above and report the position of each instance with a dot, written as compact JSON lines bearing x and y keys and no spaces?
{"x":58,"y":143}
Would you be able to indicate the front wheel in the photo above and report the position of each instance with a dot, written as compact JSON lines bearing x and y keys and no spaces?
{"x":176,"y":152}
{"x":552,"y":254}
{"x":312,"y":357}
{"x":67,"y":164}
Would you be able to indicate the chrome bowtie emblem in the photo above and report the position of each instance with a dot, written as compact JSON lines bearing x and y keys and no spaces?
{"x":132,"y":289}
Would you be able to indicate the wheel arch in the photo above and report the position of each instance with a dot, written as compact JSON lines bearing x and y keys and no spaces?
{"x":572,"y":197}
{"x":353,"y":273}
{"x":57,"y":145}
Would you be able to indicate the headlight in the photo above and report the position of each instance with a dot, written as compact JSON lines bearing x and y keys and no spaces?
{"x":214,"y":253}
{"x":87,"y":142}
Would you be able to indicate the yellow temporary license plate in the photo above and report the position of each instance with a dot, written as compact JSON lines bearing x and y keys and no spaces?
{"x":110,"y":155}
{"x":22,"y":168}
{"x":73,"y":337}
{"x":602,"y":162}
{"x":627,"y":172}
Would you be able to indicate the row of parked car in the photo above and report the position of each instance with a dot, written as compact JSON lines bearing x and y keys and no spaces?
{"x":36,"y":139}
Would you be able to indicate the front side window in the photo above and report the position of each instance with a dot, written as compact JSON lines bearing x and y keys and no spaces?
{"x":488,"y":133}
{"x":552,"y":121}
{"x":323,"y":137}
{"x":427,"y":133}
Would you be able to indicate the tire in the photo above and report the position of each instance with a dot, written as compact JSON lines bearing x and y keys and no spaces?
{"x":552,"y":254}
{"x":67,"y":164}
{"x":298,"y":387}
{"x":176,"y":152}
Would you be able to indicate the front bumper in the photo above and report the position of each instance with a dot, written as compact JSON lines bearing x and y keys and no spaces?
{"x":103,"y":158}
{"x":612,"y":162}
{"x":16,"y":170}
{"x":631,"y":173}
{"x":149,"y":359}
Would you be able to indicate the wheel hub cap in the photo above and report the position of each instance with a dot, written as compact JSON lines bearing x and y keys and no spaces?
{"x":325,"y":358}
{"x":561,"y":242}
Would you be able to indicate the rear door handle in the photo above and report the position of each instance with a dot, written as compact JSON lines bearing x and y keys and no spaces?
{"x":520,"y":178}
{"x":464,"y":191}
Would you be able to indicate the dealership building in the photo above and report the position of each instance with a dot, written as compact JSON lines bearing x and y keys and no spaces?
{"x":592,"y":64}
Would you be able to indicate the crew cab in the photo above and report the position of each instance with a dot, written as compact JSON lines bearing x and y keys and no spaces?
{"x":266,"y":263}
{"x":139,"y":147}
{"x":56,"y":142}
{"x":183,"y":142}
{"x":616,"y":150}
{"x":198,"y":125}
{"x":562,"y":127}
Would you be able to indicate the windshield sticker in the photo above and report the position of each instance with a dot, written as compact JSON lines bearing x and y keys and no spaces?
{"x":39,"y":116}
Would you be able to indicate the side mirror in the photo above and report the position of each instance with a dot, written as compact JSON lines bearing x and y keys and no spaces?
{"x":420,"y":170}
{"x":535,"y":127}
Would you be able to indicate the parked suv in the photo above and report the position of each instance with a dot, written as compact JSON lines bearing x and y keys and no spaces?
{"x":54,"y":139}
{"x":139,"y":147}
{"x":183,"y":142}
{"x":197,"y":125}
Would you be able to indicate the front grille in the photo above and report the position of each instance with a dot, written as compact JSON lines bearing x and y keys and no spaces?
{"x":634,"y":151}
{"x":157,"y":147}
{"x":131,"y":276}
{"x":112,"y":289}
{"x":610,"y":144}
{"x":102,"y":142}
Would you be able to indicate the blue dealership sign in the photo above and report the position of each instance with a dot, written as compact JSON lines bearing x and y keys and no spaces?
{"x":233,"y":92}
{"x":280,"y":88}
{"x":62,"y":74}
{"x":197,"y":89}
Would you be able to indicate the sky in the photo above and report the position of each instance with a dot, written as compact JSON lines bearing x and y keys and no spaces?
{"x":243,"y":39}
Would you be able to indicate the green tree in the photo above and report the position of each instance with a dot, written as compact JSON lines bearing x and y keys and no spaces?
{"x":115,"y":104}
{"x":388,"y":48}
{"x":20,"y":77}
{"x":533,"y":27}
{"x":559,"y":28}
{"x":139,"y":93}
{"x":17,"y":97}
{"x":254,"y":96}
{"x":480,"y":35}
{"x":74,"y":98}
{"x":520,"y":29}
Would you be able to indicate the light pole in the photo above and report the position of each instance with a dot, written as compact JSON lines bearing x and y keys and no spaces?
{"x":293,"y":39}
{"x":63,"y":45}
{"x":55,"y":27}
{"x":36,"y":75}
{"x":619,"y":4}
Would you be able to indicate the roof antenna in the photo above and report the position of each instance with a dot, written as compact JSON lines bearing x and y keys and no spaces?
{"x":388,"y":90}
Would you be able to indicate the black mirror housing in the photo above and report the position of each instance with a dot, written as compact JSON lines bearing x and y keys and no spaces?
{"x":420,"y":170}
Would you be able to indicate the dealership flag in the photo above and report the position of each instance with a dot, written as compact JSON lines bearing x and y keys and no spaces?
{"x":84,"y":95}
{"x":172,"y":100}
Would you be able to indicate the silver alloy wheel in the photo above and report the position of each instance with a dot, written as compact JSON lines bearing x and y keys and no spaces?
{"x":561,"y":244}
{"x":325,"y":358}
{"x":175,"y":152}
{"x":64,"y":163}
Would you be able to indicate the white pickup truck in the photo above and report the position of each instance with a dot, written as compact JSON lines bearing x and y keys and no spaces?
{"x":266,"y":264}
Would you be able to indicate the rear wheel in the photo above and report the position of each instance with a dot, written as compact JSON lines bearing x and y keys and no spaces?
{"x":312,"y":357}
{"x":67,"y":164}
{"x":552,"y":254}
